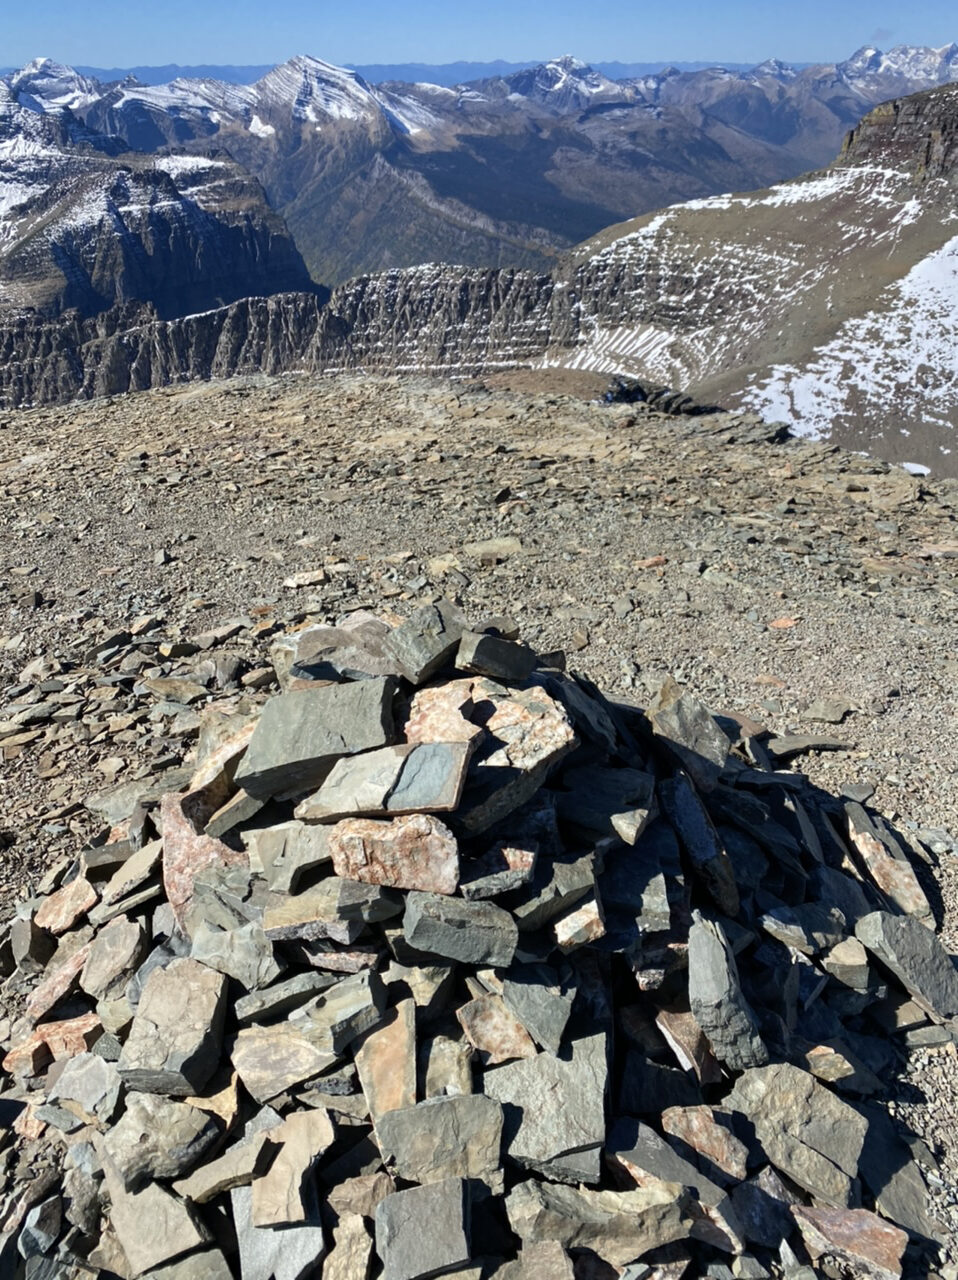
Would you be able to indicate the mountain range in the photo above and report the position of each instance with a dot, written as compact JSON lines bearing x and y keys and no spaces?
{"x":509,"y":170}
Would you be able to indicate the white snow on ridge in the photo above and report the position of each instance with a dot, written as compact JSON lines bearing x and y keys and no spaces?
{"x":902,"y":354}
{"x":259,"y":129}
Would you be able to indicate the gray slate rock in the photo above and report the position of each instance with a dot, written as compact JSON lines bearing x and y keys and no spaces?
{"x":687,"y":814}
{"x":424,"y":1231}
{"x":300,"y":735}
{"x":341,"y":1013}
{"x":487,"y":655}
{"x":175,"y":1040}
{"x":717,"y":1001}
{"x":245,"y":954}
{"x":916,"y":957}
{"x":555,"y":1109}
{"x":691,"y":734}
{"x":425,"y":641}
{"x":269,"y":1253}
{"x":542,"y":1004}
{"x":474,"y":932}
{"x":455,"y":1137}
{"x":157,"y":1138}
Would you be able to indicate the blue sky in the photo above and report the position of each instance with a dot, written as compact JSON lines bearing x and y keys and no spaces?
{"x":119,"y":33}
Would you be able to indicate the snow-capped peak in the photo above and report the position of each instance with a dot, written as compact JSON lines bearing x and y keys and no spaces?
{"x":918,"y":64}
{"x":775,"y":69}
{"x":45,"y":85}
{"x":312,"y":89}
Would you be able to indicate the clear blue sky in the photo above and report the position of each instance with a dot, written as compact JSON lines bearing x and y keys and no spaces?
{"x":120,"y":33}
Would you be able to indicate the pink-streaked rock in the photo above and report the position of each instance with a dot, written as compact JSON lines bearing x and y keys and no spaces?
{"x":698,"y":1128}
{"x":442,"y":714}
{"x":496,"y":1033}
{"x":414,"y":852}
{"x":51,"y":1041}
{"x":386,"y":1062}
{"x":185,"y":855}
{"x":64,"y":908}
{"x":894,"y":876}
{"x":859,"y":1239}
{"x":59,"y":980}
{"x":689,"y":1043}
{"x":582,"y":925}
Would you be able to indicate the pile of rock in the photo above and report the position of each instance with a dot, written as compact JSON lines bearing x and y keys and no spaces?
{"x":443,"y":963}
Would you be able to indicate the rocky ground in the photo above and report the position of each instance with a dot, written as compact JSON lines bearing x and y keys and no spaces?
{"x":806,"y":589}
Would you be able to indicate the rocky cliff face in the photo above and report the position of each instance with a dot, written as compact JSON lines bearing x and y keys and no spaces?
{"x":918,"y":134}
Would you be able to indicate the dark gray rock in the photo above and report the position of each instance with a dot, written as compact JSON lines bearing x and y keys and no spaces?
{"x":455,"y":1137}
{"x":300,"y":735}
{"x":278,"y":1000}
{"x":717,"y":1001}
{"x":541,"y":1002}
{"x":701,"y":842}
{"x":916,"y":957}
{"x":810,"y":927}
{"x":268,"y":1253}
{"x":475,"y":932}
{"x":487,"y":655}
{"x":244,"y":953}
{"x":158,"y":1138}
{"x":690,"y":733}
{"x":426,"y":641}
{"x":424,"y":1231}
{"x":555,"y":1108}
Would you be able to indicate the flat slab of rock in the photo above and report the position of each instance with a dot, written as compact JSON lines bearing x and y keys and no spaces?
{"x":691,"y":733}
{"x":555,"y":1122}
{"x":487,"y":655}
{"x":916,"y":958}
{"x":493,"y":1031}
{"x":277,"y":1199}
{"x":806,"y":1131}
{"x":455,"y":1137}
{"x":414,"y":852}
{"x":286,"y":852}
{"x":410,"y":778}
{"x":426,"y":641}
{"x":335,"y":908}
{"x":301,"y":734}
{"x":61,"y":910}
{"x":186,"y":855}
{"x":386,"y":1062}
{"x":618,"y":1225}
{"x":270,"y":1060}
{"x":475,"y":932}
{"x":716,"y":999}
{"x":688,"y":815}
{"x":407,"y":1249}
{"x":175,"y":1040}
{"x":158,"y":1138}
{"x":267,"y":1253}
{"x":859,"y":1239}
{"x":699,"y":1129}
{"x":891,"y":871}
{"x":343,"y":1012}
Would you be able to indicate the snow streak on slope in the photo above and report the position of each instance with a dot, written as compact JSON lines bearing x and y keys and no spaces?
{"x":904,"y":353}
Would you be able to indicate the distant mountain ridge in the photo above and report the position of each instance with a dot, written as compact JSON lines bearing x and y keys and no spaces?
{"x":509,"y":170}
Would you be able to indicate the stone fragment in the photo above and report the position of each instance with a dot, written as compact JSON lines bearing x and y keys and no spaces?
{"x":284,"y":853}
{"x":526,"y":734}
{"x":541,"y":1002}
{"x":158,"y":1138}
{"x":487,"y":655}
{"x":174,"y":1042}
{"x":717,"y":1001}
{"x":360,"y":1195}
{"x":809,"y":927}
{"x":557,"y":885}
{"x":343,"y":1012}
{"x":425,"y":641}
{"x":406,"y":779}
{"x":236,"y":1167}
{"x":64,"y":908}
{"x":585,"y":923}
{"x":31,"y":947}
{"x":115,"y":954}
{"x":853,"y":1238}
{"x":414,"y":852}
{"x":556,"y":1109}
{"x":806,"y":1132}
{"x":245,"y":953}
{"x":690,"y":733}
{"x":276,"y":1001}
{"x":271,"y":1060}
{"x":407,"y":1251}
{"x":619,"y":1226}
{"x":847,"y":963}
{"x":888,"y":866}
{"x":301,"y":734}
{"x":452,"y":1137}
{"x":209,"y":1264}
{"x":186,"y":855}
{"x":133,"y":874}
{"x":701,"y":842}
{"x":474,"y":932}
{"x":612,"y":802}
{"x":152,"y":1226}
{"x":644,"y":1156}
{"x":277,"y":1199}
{"x":335,"y":908}
{"x":446,"y":1067}
{"x":495,"y":1032}
{"x":52,"y":1040}
{"x":269,"y":1253}
{"x":720,"y":1150}
{"x":684,"y":1035}
{"x":441,"y":713}
{"x":88,"y":1087}
{"x":503,"y":866}
{"x":916,"y":957}
{"x":386,"y":1062}
{"x":352,"y":1253}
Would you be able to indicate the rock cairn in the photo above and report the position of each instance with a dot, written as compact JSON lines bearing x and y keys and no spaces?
{"x":444,"y":963}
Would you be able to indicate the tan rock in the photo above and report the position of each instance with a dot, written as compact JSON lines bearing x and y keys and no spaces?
{"x":496,"y":1033}
{"x":51,"y":1041}
{"x":185,"y":854}
{"x":442,"y":714}
{"x":689,"y":1043}
{"x":583,"y":924}
{"x":414,"y":852}
{"x":114,"y":954}
{"x":64,"y":908}
{"x":894,"y":876}
{"x":698,"y":1127}
{"x":859,"y":1239}
{"x":386,"y":1062}
{"x":277,"y":1199}
{"x":352,"y":1254}
{"x":360,"y":1195}
{"x":270,"y":1060}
